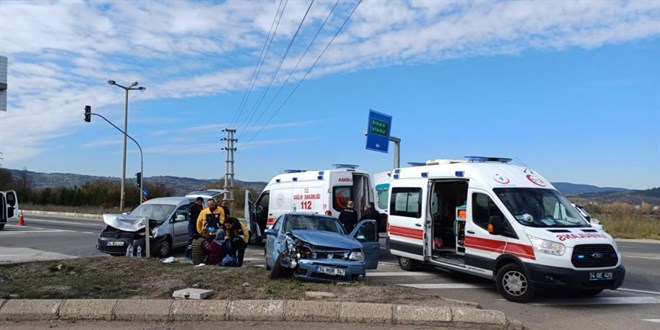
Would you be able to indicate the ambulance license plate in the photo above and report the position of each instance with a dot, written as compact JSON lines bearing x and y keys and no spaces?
{"x":116,"y":243}
{"x":331,"y":270}
{"x":600,"y":276}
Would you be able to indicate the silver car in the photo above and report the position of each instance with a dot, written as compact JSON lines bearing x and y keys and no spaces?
{"x":168,"y":222}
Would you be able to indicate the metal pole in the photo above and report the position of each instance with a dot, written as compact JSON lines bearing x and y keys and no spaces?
{"x":123,"y":169}
{"x":397,"y":150}
{"x":147,"y":233}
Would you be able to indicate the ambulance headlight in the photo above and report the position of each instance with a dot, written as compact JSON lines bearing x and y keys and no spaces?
{"x":357,"y":256}
{"x":545,"y":246}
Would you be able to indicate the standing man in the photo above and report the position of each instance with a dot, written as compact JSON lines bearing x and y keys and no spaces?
{"x":225,"y":208}
{"x":370,"y":212}
{"x":348,"y":217}
{"x":193,"y":214}
{"x":211,"y":218}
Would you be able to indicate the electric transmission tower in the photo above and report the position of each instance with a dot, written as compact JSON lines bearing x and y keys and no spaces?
{"x":229,"y":172}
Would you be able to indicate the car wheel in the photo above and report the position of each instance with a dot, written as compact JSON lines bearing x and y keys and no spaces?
{"x":408,"y":264}
{"x":589,"y":293}
{"x":277,"y":270}
{"x":164,"y":247}
{"x":513,"y":284}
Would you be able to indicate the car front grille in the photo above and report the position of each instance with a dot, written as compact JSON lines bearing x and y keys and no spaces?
{"x":110,"y":232}
{"x":594,"y":255}
{"x":331,"y":254}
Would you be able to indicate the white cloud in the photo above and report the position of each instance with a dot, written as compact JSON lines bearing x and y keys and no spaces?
{"x":61,"y":53}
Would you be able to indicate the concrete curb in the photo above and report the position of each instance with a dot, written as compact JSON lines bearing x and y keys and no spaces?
{"x":251,"y":310}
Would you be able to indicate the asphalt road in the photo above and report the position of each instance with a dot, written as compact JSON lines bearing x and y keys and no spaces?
{"x":634,"y":306}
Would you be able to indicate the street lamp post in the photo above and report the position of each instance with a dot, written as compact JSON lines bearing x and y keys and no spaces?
{"x":88,"y":114}
{"x":132,"y":87}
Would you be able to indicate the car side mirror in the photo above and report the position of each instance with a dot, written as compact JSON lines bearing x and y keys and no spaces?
{"x":270,"y":232}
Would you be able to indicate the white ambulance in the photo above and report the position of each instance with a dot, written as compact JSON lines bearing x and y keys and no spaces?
{"x":324,"y":192}
{"x":8,"y":207}
{"x":486,"y":217}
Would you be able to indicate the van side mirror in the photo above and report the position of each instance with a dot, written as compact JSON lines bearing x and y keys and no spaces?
{"x":180,"y":217}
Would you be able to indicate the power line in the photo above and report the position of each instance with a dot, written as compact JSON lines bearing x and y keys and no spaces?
{"x":277,"y":70}
{"x":305,"y":76}
{"x":297,"y":64}
{"x":262,"y":56}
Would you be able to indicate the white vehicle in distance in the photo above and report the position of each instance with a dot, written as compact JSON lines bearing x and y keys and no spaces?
{"x":593,"y":221}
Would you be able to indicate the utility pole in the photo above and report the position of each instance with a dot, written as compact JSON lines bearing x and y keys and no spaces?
{"x":229,"y":172}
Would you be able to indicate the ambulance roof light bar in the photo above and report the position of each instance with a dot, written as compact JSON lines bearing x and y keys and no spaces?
{"x":294,"y":171}
{"x":345,"y":166}
{"x":482,"y":159}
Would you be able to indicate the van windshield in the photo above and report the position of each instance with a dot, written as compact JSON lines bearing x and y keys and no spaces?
{"x":540,"y":207}
{"x":156,"y":212}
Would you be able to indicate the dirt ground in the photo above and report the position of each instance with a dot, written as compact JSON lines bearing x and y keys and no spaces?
{"x":121,"y":278}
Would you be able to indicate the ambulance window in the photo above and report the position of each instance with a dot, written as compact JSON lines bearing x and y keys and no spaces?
{"x":382,"y":190}
{"x":406,"y":202}
{"x":482,"y":208}
{"x":341,"y":196}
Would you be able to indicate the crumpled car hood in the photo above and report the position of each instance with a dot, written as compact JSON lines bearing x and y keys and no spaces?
{"x":124,"y":222}
{"x":327,"y":239}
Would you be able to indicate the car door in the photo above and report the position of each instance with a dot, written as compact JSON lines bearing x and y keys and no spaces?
{"x":179,"y":223}
{"x":11,"y":200}
{"x":366,"y":232}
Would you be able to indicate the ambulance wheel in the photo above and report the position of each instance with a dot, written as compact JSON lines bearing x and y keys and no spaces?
{"x":589,"y":293}
{"x":277,"y":271}
{"x":408,"y":264}
{"x":514,"y":284}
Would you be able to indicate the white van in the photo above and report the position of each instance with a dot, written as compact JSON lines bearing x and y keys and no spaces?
{"x":484,"y":216}
{"x":323,"y":192}
{"x":9,"y":207}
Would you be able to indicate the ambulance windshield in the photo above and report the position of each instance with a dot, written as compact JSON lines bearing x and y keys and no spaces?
{"x":540,"y":207}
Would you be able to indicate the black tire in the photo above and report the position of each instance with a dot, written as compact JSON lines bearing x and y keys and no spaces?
{"x":589,"y":293}
{"x":408,"y":264}
{"x":197,"y":253}
{"x":163,"y":247}
{"x":514,"y":284}
{"x":277,"y":271}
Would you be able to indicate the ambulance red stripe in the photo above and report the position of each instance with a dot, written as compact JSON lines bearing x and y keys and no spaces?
{"x":406,"y":232}
{"x":497,"y":246}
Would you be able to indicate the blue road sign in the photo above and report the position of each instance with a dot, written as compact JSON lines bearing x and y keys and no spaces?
{"x":378,"y":132}
{"x":145,"y":192}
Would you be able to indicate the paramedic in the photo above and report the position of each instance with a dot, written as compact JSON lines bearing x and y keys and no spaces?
{"x":225,"y":208}
{"x":348,"y":217}
{"x":210,"y":218}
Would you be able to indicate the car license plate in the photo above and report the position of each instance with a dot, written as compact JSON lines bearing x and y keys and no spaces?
{"x":331,"y":270}
{"x":600,"y":276}
{"x":116,"y":243}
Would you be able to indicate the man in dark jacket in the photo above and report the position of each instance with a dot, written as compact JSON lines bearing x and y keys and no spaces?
{"x":348,"y":217}
{"x":193,"y":213}
{"x":370,"y":212}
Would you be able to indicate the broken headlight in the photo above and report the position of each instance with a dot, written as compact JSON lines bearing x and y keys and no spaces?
{"x":356,"y":255}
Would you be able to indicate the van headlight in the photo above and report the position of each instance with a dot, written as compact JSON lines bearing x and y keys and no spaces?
{"x":357,"y":256}
{"x":545,"y":246}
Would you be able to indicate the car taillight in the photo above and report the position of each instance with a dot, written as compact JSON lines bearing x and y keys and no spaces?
{"x":328,"y":212}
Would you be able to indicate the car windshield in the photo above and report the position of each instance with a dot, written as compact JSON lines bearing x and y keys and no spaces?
{"x":311,"y":222}
{"x":158,"y":212}
{"x":540,"y":207}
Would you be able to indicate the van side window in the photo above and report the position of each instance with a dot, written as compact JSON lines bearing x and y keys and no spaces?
{"x":406,"y":202}
{"x":482,"y":208}
{"x":183,"y":210}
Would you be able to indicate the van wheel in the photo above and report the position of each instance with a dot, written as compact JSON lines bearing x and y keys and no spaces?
{"x":513,"y":284}
{"x":589,"y":293}
{"x":163,"y":247}
{"x":408,"y":264}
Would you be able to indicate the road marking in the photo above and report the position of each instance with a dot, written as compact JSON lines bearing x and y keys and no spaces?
{"x":71,"y":223}
{"x":38,"y":231}
{"x":652,"y":320}
{"x":443,"y":286}
{"x":602,"y":301}
{"x":642,"y":257}
{"x":639,"y":291}
{"x":399,"y":274}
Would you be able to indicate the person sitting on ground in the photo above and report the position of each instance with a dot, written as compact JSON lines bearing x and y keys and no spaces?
{"x":217,"y":248}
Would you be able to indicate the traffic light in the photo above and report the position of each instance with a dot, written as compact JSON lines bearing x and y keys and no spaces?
{"x":88,"y":113}
{"x":138,"y":179}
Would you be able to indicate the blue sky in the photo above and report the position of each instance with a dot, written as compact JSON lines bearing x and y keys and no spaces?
{"x":571,"y":89}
